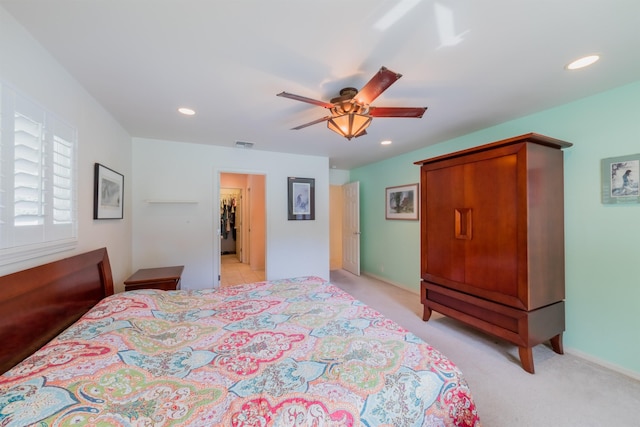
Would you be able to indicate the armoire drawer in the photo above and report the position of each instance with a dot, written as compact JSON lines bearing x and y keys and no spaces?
{"x":523,"y":328}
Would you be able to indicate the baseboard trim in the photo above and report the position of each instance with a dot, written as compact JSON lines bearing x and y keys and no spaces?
{"x":385,"y":280}
{"x":605,"y":364}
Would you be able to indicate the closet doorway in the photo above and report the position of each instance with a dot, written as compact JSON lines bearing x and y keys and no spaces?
{"x":230,"y":222}
{"x":241,"y":232}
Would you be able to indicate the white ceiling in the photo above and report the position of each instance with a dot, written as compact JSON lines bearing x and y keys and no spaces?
{"x":472,"y":63}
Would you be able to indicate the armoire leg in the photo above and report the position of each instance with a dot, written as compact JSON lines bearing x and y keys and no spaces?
{"x":426,"y":315}
{"x":556,"y":344}
{"x":526,"y":358}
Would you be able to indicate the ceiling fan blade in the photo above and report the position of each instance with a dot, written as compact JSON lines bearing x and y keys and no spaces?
{"x":416,"y":112}
{"x":324,"y":119}
{"x":378,"y":84}
{"x":305,"y":99}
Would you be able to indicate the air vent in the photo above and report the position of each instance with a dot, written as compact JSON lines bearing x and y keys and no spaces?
{"x":244,"y":144}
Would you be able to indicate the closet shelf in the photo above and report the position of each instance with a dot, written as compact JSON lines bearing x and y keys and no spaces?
{"x":169,"y":201}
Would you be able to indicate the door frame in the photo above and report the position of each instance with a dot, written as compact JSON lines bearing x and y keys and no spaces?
{"x":246,"y":209}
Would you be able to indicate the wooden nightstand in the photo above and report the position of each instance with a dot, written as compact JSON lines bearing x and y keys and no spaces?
{"x":165,"y":278}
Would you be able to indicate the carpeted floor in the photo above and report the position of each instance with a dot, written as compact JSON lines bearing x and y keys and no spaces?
{"x":565,"y":390}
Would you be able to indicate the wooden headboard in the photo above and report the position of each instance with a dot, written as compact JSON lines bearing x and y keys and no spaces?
{"x":39,"y":303}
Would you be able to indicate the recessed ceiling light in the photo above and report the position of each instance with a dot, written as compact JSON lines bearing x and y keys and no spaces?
{"x":583,"y":62}
{"x":186,"y":111}
{"x":385,"y":142}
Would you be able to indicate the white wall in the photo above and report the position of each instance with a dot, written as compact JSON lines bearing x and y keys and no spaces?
{"x":184,"y":233}
{"x":338,"y":176}
{"x":25,"y":65}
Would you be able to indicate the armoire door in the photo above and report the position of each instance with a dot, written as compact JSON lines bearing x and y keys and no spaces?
{"x":443,"y":255}
{"x":471,"y":229}
{"x":491,"y":254}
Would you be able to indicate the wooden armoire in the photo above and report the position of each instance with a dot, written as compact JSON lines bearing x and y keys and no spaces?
{"x":492,"y":240}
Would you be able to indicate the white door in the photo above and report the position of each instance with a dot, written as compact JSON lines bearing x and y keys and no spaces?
{"x":351,"y":227}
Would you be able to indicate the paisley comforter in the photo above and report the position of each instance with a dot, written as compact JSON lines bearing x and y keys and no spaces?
{"x":294,"y":352}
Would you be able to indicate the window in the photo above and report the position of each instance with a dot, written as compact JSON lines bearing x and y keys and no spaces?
{"x":38,"y":206}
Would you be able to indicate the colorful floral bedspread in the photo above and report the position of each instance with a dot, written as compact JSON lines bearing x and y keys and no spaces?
{"x":294,"y":352}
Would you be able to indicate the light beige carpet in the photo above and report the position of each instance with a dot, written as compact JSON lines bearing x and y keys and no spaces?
{"x":565,"y":390}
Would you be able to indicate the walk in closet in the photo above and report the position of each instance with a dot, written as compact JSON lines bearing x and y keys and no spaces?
{"x":229,"y":220}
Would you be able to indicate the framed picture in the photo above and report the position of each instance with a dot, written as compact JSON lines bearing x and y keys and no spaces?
{"x":108,"y":196}
{"x":620,"y":179}
{"x":401,"y":202}
{"x":301,"y":198}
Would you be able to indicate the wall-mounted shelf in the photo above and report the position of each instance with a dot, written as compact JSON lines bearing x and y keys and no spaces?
{"x":170,"y":202}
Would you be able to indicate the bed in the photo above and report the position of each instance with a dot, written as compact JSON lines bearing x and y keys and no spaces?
{"x":291,"y":352}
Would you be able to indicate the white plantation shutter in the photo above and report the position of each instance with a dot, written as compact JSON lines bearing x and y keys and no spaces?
{"x":27,"y":169}
{"x":37,"y":180}
{"x":63,"y":209}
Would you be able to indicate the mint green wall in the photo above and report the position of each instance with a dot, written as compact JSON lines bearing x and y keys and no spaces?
{"x":602,"y":241}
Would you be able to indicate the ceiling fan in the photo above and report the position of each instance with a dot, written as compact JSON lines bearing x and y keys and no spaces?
{"x":352,"y":112}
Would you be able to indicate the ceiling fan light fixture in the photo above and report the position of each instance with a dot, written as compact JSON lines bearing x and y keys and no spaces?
{"x":349,"y":125}
{"x":352,"y":112}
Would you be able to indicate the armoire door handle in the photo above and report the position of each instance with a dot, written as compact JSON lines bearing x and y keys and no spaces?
{"x":463,"y":223}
